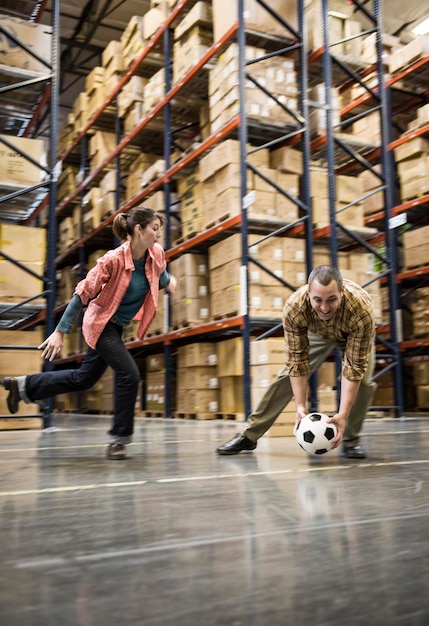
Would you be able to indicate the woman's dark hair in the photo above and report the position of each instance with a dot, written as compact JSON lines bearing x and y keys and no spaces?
{"x":125,"y":223}
{"x":325,"y":274}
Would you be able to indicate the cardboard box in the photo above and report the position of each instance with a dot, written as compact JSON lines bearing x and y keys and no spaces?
{"x":16,"y":169}
{"x":422,"y":396}
{"x":18,"y":284}
{"x":421,"y":372}
{"x":192,"y":287}
{"x":201,"y":14}
{"x":416,"y":256}
{"x":113,"y":49}
{"x":189,"y":264}
{"x":231,"y":395}
{"x":36,"y":37}
{"x":415,"y":49}
{"x":199,"y":377}
{"x":152,"y":20}
{"x":287,"y":160}
{"x":413,"y":148}
{"x":267,"y":351}
{"x":225,"y":14}
{"x":197,"y":354}
{"x":23,"y":243}
{"x":204,"y":402}
{"x":230,"y":357}
{"x":21,"y":362}
{"x":416,"y":237}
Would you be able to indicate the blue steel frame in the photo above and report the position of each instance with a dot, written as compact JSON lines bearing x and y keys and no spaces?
{"x":50,"y":276}
{"x":304,"y":204}
{"x":389,"y":260}
{"x":52,"y":218}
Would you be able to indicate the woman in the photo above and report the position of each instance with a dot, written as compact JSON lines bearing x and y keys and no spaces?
{"x":124,"y":285}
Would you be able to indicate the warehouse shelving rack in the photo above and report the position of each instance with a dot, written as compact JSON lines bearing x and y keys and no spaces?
{"x":335,"y":237}
{"x":344,"y":155}
{"x":293,"y":43}
{"x":24,"y":97}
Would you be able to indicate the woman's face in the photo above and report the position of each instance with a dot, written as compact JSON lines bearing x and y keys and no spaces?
{"x":152,"y":233}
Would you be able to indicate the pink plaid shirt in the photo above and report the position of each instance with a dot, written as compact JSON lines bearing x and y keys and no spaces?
{"x":105,"y":285}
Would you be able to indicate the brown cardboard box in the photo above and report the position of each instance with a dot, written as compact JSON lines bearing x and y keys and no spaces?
{"x":204,"y":402}
{"x":231,"y":395}
{"x":257,"y":276}
{"x":152,"y":20}
{"x":23,"y":243}
{"x":16,"y":169}
{"x":230,"y":357}
{"x":192,"y":287}
{"x":287,"y":160}
{"x":201,"y":14}
{"x":189,"y":264}
{"x":189,"y":49}
{"x":267,"y":351}
{"x":421,"y":372}
{"x":226,"y":14}
{"x":199,"y":377}
{"x":422,"y":396}
{"x":225,"y":275}
{"x":416,"y":48}
{"x":416,"y":237}
{"x":94,"y":79}
{"x":17,"y":284}
{"x":21,"y":362}
{"x":266,"y":374}
{"x":37,"y":37}
{"x":155,"y":391}
{"x":413,"y":148}
{"x":113,"y":48}
{"x":416,"y":256}
{"x":197,"y":354}
{"x":266,"y":301}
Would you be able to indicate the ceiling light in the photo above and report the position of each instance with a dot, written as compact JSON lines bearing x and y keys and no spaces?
{"x":422,"y":28}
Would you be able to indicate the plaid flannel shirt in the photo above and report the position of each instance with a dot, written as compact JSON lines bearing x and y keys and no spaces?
{"x":352,"y":324}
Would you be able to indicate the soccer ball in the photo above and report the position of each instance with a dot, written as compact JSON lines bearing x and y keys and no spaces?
{"x":314,"y":434}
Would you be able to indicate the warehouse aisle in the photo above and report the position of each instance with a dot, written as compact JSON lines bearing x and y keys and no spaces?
{"x":179,"y":536}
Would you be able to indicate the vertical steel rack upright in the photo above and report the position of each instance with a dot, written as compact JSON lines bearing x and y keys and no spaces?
{"x":32,"y":199}
{"x":336,"y":147}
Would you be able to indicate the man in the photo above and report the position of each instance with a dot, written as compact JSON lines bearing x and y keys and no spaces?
{"x":329,"y":312}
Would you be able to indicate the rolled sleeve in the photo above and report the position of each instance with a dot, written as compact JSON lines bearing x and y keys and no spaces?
{"x":297,"y":351}
{"x":358,"y":347}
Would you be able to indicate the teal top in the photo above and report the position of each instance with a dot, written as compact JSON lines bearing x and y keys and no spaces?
{"x":131,"y":302}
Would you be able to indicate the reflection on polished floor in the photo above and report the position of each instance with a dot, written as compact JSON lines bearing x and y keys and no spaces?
{"x":177,"y":535}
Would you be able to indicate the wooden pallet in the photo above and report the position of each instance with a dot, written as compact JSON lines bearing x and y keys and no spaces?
{"x":232,"y":416}
{"x":187,"y":237}
{"x":21,"y":423}
{"x":194,"y":416}
{"x":146,"y":413}
{"x":216,"y":318}
{"x":186,"y":324}
{"x":218,"y":220}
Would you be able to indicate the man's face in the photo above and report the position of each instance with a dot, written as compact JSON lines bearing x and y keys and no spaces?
{"x":325,"y":300}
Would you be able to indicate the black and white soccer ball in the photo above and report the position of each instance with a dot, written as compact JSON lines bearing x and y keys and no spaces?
{"x":314,"y":434}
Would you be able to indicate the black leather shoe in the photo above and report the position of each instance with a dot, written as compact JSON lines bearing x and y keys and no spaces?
{"x":11,"y":384}
{"x":353,"y":452}
{"x":236,"y":445}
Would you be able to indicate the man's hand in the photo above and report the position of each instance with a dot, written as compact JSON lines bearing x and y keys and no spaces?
{"x":301,"y":411}
{"x":340,"y":423}
{"x":52,"y":346}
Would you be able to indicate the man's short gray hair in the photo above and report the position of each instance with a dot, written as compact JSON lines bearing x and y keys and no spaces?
{"x":325,"y":274}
